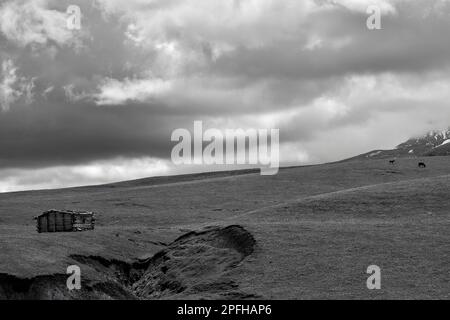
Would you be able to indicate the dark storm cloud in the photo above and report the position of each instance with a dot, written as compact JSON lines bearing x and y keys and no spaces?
{"x":54,"y":133}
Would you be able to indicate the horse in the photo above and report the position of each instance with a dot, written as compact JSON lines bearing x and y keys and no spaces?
{"x":392,"y":161}
{"x":422,"y":164}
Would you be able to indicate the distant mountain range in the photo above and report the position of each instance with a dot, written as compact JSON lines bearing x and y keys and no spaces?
{"x":434,"y":143}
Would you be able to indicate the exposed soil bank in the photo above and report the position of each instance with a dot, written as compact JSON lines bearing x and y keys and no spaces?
{"x":53,"y":287}
{"x":194,"y":265}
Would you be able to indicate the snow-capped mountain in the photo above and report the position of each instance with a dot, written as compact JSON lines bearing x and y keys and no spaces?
{"x":423,"y":145}
{"x":434,"y":143}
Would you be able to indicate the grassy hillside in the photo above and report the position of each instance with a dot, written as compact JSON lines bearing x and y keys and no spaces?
{"x":316,"y":229}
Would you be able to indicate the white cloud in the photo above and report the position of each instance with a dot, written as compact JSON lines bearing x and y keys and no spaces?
{"x":32,"y":22}
{"x":13,"y":87}
{"x":96,"y":172}
{"x":178,"y":30}
{"x":71,"y":94}
{"x":386,"y":6}
{"x":114,"y":92}
{"x":47,"y":91}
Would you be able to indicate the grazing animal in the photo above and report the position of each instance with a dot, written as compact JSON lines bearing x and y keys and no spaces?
{"x":392,"y":161}
{"x":422,"y":165}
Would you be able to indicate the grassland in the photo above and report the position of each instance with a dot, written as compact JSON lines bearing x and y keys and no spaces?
{"x":316,"y":229}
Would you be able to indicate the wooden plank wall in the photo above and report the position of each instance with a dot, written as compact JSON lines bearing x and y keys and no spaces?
{"x":61,"y":221}
{"x":42,"y":224}
{"x":83,"y":222}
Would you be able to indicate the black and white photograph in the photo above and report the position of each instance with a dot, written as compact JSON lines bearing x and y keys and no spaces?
{"x":233,"y":151}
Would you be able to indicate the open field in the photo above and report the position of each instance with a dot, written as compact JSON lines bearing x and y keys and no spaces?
{"x":308,"y":232}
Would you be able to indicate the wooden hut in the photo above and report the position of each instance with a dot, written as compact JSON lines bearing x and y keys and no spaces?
{"x":65,"y":221}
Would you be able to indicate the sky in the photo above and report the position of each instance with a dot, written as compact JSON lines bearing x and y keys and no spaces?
{"x":99,"y":104}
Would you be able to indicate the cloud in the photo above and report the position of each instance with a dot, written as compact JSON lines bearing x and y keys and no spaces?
{"x":96,"y":172}
{"x":114,"y":92}
{"x":33,"y":23}
{"x":310,"y":68}
{"x":13,"y":87}
{"x":386,"y":6}
{"x":271,"y":44}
